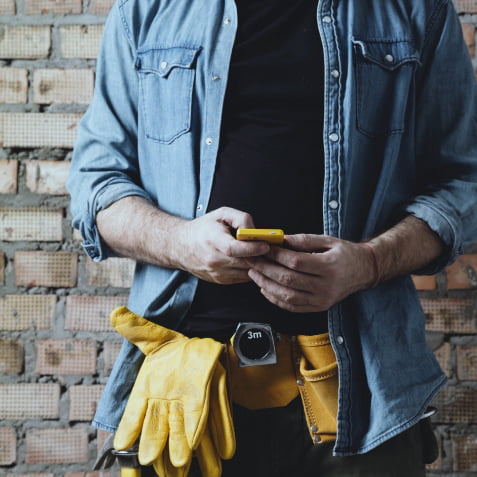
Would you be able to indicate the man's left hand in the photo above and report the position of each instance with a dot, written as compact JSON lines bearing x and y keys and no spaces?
{"x":313,"y":272}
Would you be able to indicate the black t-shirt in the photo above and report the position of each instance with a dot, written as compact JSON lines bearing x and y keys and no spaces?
{"x":270,"y":159}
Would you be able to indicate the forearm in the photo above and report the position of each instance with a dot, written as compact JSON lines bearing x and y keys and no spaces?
{"x":405,"y":248}
{"x":135,"y":228}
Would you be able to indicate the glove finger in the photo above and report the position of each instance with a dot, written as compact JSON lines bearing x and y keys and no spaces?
{"x":164,"y":468}
{"x":220,"y":420}
{"x":131,"y":423}
{"x":179,"y":450}
{"x":155,"y":431}
{"x":207,"y":456}
{"x":145,"y":334}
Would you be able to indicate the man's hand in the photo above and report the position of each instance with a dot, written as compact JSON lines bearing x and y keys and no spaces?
{"x":206,"y":248}
{"x":313,"y":273}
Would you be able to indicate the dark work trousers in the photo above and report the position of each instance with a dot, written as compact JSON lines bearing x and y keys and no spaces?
{"x":275,"y":443}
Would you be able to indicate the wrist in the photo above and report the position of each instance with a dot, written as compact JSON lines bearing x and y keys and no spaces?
{"x":374,"y":273}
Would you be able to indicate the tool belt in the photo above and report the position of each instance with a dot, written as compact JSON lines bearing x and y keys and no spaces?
{"x":306,"y":365}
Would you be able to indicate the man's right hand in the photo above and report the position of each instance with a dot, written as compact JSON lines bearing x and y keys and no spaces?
{"x":206,"y":247}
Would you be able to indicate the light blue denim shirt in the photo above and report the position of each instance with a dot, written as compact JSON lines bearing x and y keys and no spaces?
{"x":399,"y":137}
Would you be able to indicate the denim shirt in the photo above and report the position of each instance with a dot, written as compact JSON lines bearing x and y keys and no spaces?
{"x":399,"y":138}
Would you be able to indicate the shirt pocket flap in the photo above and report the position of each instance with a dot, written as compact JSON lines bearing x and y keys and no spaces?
{"x":162,"y":60}
{"x":387,"y":53}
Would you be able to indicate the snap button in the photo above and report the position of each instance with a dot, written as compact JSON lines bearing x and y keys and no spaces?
{"x":163,"y":65}
{"x":227,"y":20}
{"x":335,"y":73}
{"x":316,"y":439}
{"x":327,"y":19}
{"x":300,"y":382}
{"x":313,"y":428}
{"x":215,"y":78}
{"x":389,"y":58}
{"x":199,"y":207}
{"x":340,"y":340}
{"x":333,"y":204}
{"x":334,"y":137}
{"x":208,"y":141}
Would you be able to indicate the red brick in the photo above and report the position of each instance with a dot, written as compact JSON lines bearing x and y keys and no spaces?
{"x":47,"y":177}
{"x":25,"y":41}
{"x":80,"y":41}
{"x":45,"y":269}
{"x":465,"y":453}
{"x":425,"y":282}
{"x":8,"y":446}
{"x":466,"y":6}
{"x":469,"y":36}
{"x":21,"y":312}
{"x":38,"y":129}
{"x":462,"y":274}
{"x":456,"y":404}
{"x":443,"y":355}
{"x":100,"y":7}
{"x":11,"y":356}
{"x":58,"y":7}
{"x":7,"y":7}
{"x":91,"y":313}
{"x":68,"y":86}
{"x":83,"y":401}
{"x":114,"y":272}
{"x":13,"y":85}
{"x":29,"y":401}
{"x":67,"y":356}
{"x":56,"y":446}
{"x":450,"y":315}
{"x":111,"y":350}
{"x":36,"y":224}
{"x":467,"y":363}
{"x":8,"y":176}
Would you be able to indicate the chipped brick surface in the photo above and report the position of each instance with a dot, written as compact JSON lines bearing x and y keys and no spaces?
{"x":56,"y":446}
{"x":67,"y":356}
{"x":91,"y":313}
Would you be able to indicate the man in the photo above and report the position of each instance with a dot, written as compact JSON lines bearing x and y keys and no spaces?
{"x":352,"y":126}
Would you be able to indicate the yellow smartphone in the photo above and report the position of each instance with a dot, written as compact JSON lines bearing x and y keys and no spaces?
{"x":273,"y":236}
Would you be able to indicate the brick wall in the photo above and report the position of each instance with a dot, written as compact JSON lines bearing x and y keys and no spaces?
{"x":56,"y":345}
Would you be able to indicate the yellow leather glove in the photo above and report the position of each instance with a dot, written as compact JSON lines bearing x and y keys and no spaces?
{"x":169,"y":402}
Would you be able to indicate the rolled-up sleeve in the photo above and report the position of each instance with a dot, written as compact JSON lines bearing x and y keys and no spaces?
{"x":105,"y":164}
{"x":446,"y":132}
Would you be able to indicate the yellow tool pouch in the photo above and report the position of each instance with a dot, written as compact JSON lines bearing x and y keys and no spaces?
{"x":317,"y":378}
{"x":261,"y":387}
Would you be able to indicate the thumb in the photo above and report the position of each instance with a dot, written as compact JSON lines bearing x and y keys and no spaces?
{"x":145,"y":334}
{"x":309,"y":242}
{"x":234,"y":218}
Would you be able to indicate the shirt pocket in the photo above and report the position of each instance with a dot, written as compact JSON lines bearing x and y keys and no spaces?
{"x":383,"y":73}
{"x":166,"y":80}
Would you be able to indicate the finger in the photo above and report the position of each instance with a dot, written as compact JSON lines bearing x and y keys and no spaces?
{"x":234,"y":248}
{"x":179,"y":450}
{"x":293,"y":308}
{"x":220,"y":415}
{"x":233,"y":217}
{"x":309,"y":242}
{"x":131,"y":423}
{"x":314,"y":263}
{"x":286,"y":276}
{"x":209,"y":461}
{"x":154,"y":432}
{"x":164,"y":467}
{"x":281,"y":293}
